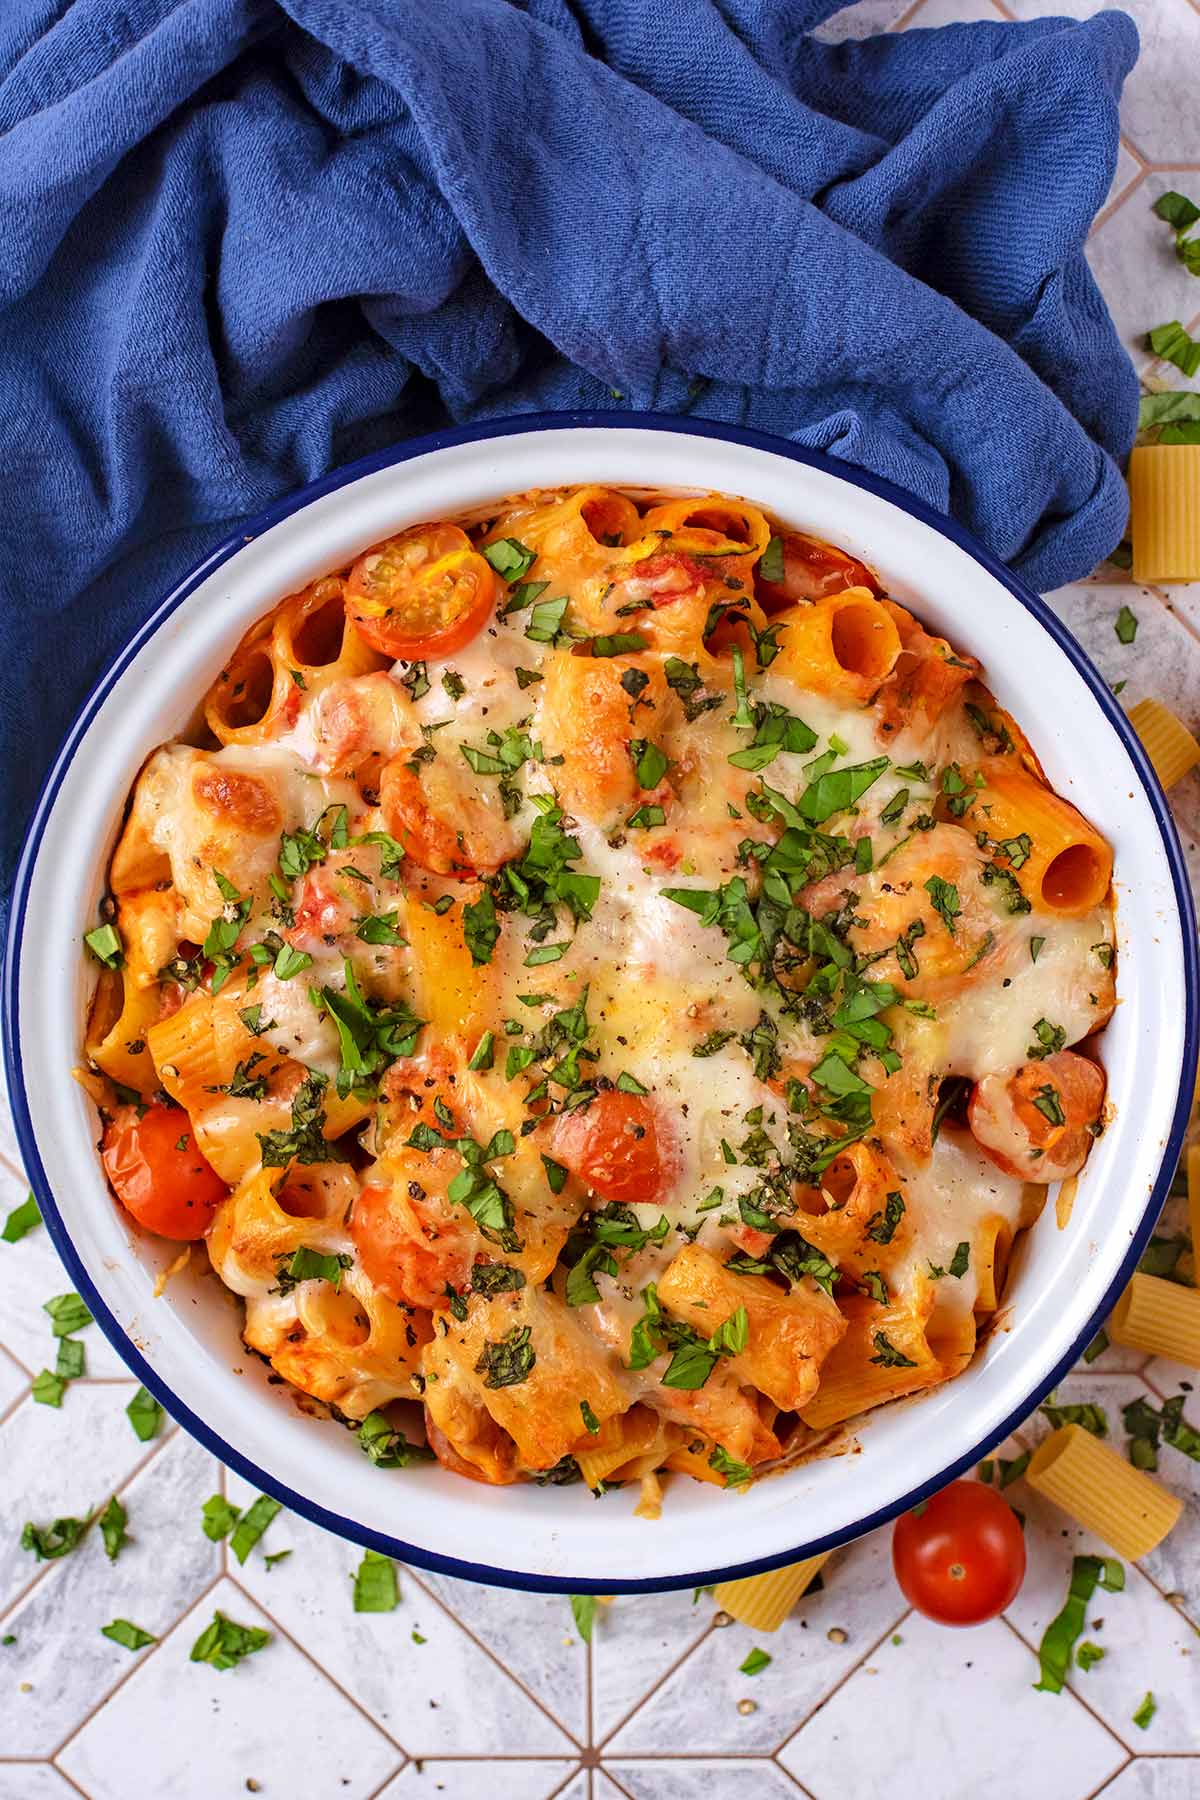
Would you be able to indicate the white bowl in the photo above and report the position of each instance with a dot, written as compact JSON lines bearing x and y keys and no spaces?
{"x":186,"y":1347}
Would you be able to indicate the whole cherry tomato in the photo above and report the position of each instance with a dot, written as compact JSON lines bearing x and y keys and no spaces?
{"x":960,"y":1556}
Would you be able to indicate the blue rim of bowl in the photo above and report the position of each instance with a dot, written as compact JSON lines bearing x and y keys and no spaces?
{"x":406,"y":452}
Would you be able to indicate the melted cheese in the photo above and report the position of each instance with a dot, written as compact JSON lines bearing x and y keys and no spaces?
{"x":660,"y":985}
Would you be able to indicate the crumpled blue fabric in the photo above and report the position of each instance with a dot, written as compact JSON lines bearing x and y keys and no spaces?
{"x":243,"y":241}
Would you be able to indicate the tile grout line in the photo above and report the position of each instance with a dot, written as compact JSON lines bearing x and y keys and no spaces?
{"x":388,"y":1780}
{"x":286,"y":1635}
{"x":794,"y":1779}
{"x":662,"y":1680}
{"x":840,"y":1683}
{"x":138,"y":1663}
{"x":1107,"y":1783}
{"x":576,"y":1769}
{"x":1071,"y":1689}
{"x":42,"y":1572}
{"x":493,"y":1658}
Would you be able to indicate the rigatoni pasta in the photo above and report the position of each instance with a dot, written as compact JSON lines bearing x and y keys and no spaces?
{"x":607,"y":977}
{"x":1128,"y":1509}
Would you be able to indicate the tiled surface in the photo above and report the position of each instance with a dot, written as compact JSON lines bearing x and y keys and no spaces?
{"x":477,"y":1694}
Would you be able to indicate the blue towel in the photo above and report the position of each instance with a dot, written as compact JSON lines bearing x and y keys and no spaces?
{"x":245,"y":241}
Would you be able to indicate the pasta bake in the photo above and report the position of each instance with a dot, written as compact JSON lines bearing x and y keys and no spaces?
{"x":603,"y":974}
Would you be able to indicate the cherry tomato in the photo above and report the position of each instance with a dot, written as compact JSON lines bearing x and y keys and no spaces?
{"x":1035,"y":1124}
{"x":424,"y":593}
{"x":811,"y":570}
{"x":960,"y":1557}
{"x":411,"y":1242}
{"x":443,"y":824}
{"x":157,"y":1172}
{"x":619,"y":1145}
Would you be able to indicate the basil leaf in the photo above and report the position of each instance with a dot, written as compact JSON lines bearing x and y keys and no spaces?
{"x":21,"y":1219}
{"x":481,"y":928}
{"x":382,"y":1444}
{"x":836,"y":790}
{"x":252,"y":1524}
{"x":508,"y":1361}
{"x":737,"y":1474}
{"x":224,"y":1643}
{"x":49,"y":1542}
{"x":770,"y":563}
{"x":112,"y":1522}
{"x":218,"y":1517}
{"x":68,"y":1313}
{"x":1173,"y":344}
{"x":145,"y":1415}
{"x":1126,"y":626}
{"x":1062,"y":1633}
{"x":510,"y":558}
{"x":375,"y":1586}
{"x":887,"y":1353}
{"x":129,"y":1636}
{"x":105,"y":945}
{"x":583,"y":1611}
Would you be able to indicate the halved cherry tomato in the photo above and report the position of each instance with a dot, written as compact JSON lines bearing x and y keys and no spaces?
{"x":444,"y":825}
{"x":811,"y":570}
{"x":412,"y":1242}
{"x":960,"y":1557}
{"x":157,"y":1172}
{"x":619,"y":1145}
{"x":1037,"y":1123}
{"x":424,"y":593}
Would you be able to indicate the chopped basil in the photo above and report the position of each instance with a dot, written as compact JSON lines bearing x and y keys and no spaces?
{"x":1048,"y":1103}
{"x":521,"y":595}
{"x":129,"y":1636}
{"x":1050,"y":1040}
{"x":112,"y":1523}
{"x":145,"y":1415}
{"x":49,"y":1542}
{"x":737,"y":1474}
{"x":378,"y":928}
{"x":483,"y":1055}
{"x":21,"y":1219}
{"x":583,"y":1611}
{"x":881,"y":1226}
{"x":1088,"y":1655}
{"x":454,"y":684}
{"x":481,"y":928}
{"x":305,"y":1142}
{"x":105,"y":945}
{"x":1092,"y":1417}
{"x":545,"y":621}
{"x":225,"y":1643}
{"x":48,"y":1388}
{"x":770,"y":563}
{"x":1149,"y":1705}
{"x":644,"y":817}
{"x":527,"y":677}
{"x":385,"y":1446}
{"x":887,"y":1353}
{"x":1062,"y":1633}
{"x":714,"y":1041}
{"x":508,"y":1361}
{"x":944,"y":898}
{"x":252,"y":1524}
{"x":1126,"y":625}
{"x":375,"y":1586}
{"x":649,"y":762}
{"x":755,"y":1663}
{"x":72,"y":1359}
{"x":1035,"y":948}
{"x":618,"y":643}
{"x":872,"y":1283}
{"x":960,"y":1261}
{"x":590,"y":1421}
{"x":68,"y":1313}
{"x":894,"y":809}
{"x":305,"y":1264}
{"x":218,"y":1517}
{"x":510,"y":558}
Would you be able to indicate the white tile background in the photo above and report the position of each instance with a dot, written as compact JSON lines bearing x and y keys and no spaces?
{"x":501,"y":1701}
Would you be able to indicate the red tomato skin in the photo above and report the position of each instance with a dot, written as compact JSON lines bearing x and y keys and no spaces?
{"x":169,"y":1191}
{"x":968,"y":1528}
{"x":620,"y":1145}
